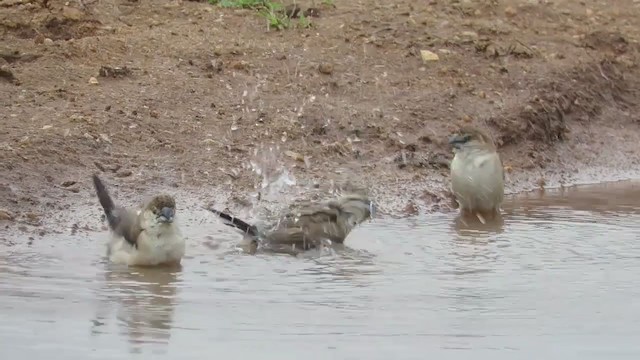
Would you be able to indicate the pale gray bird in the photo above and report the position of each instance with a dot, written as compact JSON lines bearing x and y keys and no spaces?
{"x":310,"y":227}
{"x":146,"y":236}
{"x":477,"y":175}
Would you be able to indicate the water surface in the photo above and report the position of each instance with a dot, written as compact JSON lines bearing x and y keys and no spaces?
{"x":558,"y":278}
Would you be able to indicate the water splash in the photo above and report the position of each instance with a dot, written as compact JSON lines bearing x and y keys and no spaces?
{"x":275,"y":177}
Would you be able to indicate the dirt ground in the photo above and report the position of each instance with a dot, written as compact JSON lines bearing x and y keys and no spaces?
{"x":182,"y":95}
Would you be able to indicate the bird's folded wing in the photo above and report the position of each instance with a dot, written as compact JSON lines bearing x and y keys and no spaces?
{"x":127,"y":224}
{"x":290,"y":237}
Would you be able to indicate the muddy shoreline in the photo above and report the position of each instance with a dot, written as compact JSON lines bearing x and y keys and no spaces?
{"x":184,"y":97}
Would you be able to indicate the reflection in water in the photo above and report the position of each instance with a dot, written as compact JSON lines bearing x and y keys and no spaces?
{"x":145,"y":299}
{"x":347,"y":264}
{"x":556,"y":276}
{"x":473,"y":257}
{"x":471,"y":227}
{"x":623,"y":196}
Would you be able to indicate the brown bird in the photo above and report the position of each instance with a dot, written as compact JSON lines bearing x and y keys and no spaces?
{"x":310,"y":227}
{"x":477,"y":176}
{"x":146,"y":236}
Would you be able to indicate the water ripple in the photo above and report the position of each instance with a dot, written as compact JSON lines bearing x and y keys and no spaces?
{"x":553,"y":274}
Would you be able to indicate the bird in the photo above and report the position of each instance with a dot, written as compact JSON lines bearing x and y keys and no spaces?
{"x":312,"y":226}
{"x":144,"y":236}
{"x":477,"y":174}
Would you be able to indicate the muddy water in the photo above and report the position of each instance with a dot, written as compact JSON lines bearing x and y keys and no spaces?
{"x":557,"y":279}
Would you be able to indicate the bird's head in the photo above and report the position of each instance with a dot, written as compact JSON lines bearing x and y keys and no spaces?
{"x":471,"y":138}
{"x":163,"y":207}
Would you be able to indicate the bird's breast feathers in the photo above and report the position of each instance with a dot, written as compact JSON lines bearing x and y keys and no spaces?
{"x":464,"y":163}
{"x":160,"y":237}
{"x":157,"y":243}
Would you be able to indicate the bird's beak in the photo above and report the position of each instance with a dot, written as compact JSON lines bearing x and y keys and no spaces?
{"x":166,"y":215}
{"x":457,"y":140}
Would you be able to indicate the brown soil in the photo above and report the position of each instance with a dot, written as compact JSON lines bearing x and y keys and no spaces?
{"x":187,"y":92}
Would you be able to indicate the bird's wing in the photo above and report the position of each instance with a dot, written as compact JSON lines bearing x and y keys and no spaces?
{"x":129,"y":226}
{"x":288,"y":238}
{"x":332,"y":220}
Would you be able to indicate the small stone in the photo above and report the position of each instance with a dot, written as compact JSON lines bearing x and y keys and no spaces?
{"x":325,"y":68}
{"x":239,"y":65}
{"x":6,"y":73}
{"x":510,"y":11}
{"x":32,"y":218}
{"x":93,"y":81}
{"x":428,"y":56}
{"x":114,"y":72}
{"x":48,"y":41}
{"x":100,"y":166}
{"x":589,"y":12}
{"x":411,"y":208}
{"x":72,"y":13}
{"x":6,"y":215}
{"x":294,"y":155}
{"x":124,"y":173}
{"x":68,"y":183}
{"x":469,"y":35}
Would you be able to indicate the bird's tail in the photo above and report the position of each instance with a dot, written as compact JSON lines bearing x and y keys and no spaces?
{"x":233,"y":221}
{"x":105,"y":200}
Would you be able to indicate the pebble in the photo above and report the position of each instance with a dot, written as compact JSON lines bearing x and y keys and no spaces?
{"x":510,"y":11}
{"x":124,"y":173}
{"x":72,"y":13}
{"x":427,"y":56}
{"x":6,"y":215}
{"x":294,"y":155}
{"x":325,"y":68}
{"x":470,"y":35}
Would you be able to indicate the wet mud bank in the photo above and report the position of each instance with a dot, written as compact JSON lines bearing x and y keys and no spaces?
{"x":207,"y":104}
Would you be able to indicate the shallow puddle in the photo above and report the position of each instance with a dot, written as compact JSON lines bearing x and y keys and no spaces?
{"x":558,"y":278}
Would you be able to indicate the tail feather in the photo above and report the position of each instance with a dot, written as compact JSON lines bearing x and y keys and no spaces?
{"x":237,"y":223}
{"x":106,"y":201}
{"x":121,"y":221}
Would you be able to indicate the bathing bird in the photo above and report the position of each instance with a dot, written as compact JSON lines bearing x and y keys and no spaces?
{"x":309,"y":227}
{"x":477,"y":176}
{"x":144,"y":236}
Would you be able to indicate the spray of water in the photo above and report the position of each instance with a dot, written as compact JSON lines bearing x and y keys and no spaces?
{"x":275,"y":178}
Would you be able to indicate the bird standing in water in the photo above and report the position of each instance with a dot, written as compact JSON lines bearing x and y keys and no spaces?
{"x":308,"y":228}
{"x":147,"y":236}
{"x":477,"y":174}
